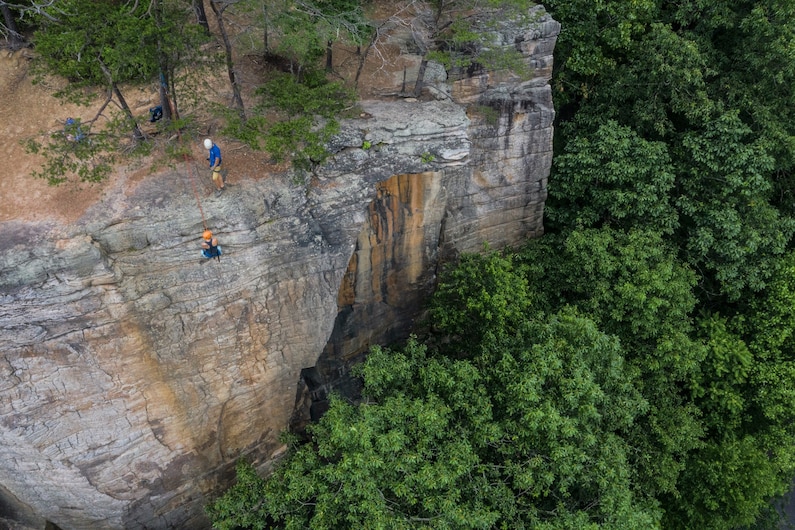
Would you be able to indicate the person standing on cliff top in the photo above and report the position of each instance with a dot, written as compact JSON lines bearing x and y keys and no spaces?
{"x":215,"y":164}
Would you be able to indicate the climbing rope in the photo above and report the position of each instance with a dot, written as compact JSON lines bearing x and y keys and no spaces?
{"x":188,"y":166}
{"x":222,"y":281}
{"x":190,"y":170}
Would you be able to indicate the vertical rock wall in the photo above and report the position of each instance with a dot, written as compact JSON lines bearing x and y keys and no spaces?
{"x":390,"y":273}
{"x":133,"y":373}
{"x":417,"y":221}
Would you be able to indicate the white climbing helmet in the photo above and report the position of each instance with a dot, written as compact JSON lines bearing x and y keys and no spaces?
{"x":208,"y":143}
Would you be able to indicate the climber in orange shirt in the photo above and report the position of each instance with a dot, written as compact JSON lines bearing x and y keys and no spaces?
{"x":210,"y":247}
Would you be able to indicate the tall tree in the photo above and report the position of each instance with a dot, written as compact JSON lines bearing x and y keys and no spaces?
{"x":218,"y":7}
{"x":162,"y":60}
{"x":336,"y":19}
{"x":178,"y":44}
{"x":201,"y":14}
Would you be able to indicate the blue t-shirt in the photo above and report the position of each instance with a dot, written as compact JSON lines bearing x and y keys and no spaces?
{"x":215,"y":152}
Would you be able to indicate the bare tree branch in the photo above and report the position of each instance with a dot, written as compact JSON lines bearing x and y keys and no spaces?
{"x":43,"y":9}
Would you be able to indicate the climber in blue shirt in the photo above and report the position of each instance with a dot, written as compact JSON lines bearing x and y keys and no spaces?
{"x":215,"y":164}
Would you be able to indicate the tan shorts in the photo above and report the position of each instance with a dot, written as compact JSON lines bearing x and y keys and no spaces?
{"x":217,"y":175}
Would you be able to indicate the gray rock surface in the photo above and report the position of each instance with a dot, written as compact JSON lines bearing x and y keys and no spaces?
{"x":134,"y":373}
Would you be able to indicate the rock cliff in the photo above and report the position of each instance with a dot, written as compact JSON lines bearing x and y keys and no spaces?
{"x":134,"y":374}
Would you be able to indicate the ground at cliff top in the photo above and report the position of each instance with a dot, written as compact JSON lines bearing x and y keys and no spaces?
{"x":29,"y":110}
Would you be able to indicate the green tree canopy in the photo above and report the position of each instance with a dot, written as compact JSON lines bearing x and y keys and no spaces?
{"x":97,"y":43}
{"x":614,"y":177}
{"x":631,"y":284}
{"x":711,"y":81}
{"x":520,"y":429}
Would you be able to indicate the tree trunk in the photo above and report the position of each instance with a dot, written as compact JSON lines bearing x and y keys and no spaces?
{"x":137,"y":133}
{"x":201,"y":15}
{"x":15,"y":39}
{"x":422,"y":40}
{"x":165,"y":102}
{"x":363,"y":56}
{"x":162,"y":60}
{"x":230,"y":65}
{"x":265,"y":43}
{"x":174,"y":96}
{"x":329,"y":63}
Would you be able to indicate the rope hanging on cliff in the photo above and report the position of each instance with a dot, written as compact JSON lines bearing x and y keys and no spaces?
{"x":190,"y":170}
{"x":164,"y":93}
{"x":196,"y":193}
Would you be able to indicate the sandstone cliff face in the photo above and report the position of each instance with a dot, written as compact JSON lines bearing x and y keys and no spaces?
{"x":133,"y":374}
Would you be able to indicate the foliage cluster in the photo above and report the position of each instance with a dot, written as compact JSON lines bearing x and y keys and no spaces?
{"x":302,"y":118}
{"x":70,"y":151}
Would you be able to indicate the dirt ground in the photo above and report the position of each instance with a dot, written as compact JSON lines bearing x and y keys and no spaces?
{"x":27,"y":110}
{"x":30,"y":111}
